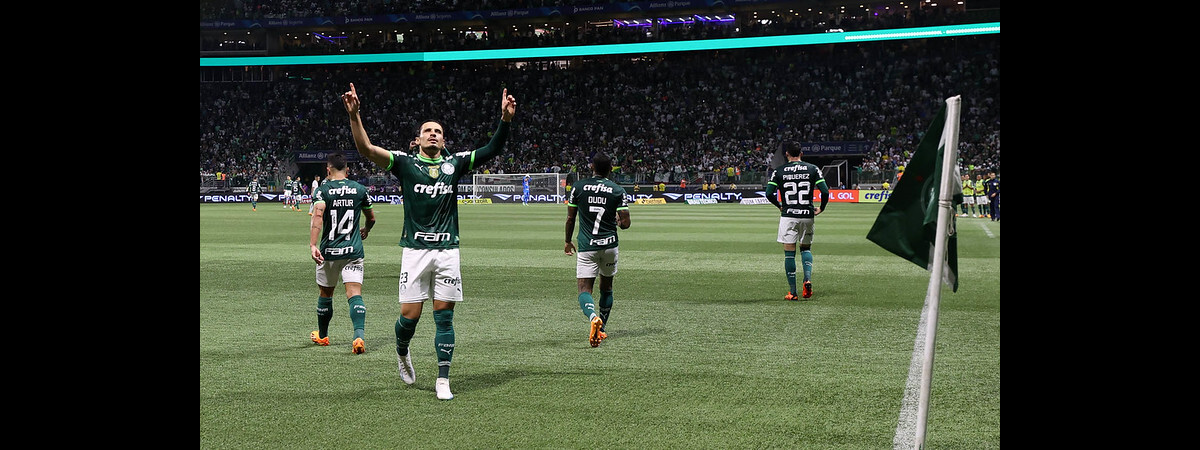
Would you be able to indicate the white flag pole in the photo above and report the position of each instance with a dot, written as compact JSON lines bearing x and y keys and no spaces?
{"x":945,"y":208}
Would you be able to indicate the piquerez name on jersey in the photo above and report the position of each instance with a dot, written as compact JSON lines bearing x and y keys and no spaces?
{"x":344,"y":200}
{"x":796,"y":182}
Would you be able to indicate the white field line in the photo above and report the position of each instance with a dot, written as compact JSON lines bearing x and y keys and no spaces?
{"x":906,"y":426}
{"x":986,"y":230}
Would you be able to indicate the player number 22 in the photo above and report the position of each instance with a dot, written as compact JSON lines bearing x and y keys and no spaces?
{"x":802,"y":188}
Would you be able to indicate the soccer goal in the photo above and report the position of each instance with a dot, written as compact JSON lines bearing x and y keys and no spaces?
{"x":510,"y":187}
{"x":837,"y":173}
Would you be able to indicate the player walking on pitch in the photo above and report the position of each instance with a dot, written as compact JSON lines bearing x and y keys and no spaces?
{"x":254,"y":189}
{"x":601,"y":206}
{"x":430,"y":262}
{"x":794,"y":182}
{"x":287,"y":193}
{"x":335,"y":244}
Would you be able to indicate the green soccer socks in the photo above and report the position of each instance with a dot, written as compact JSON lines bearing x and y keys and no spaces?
{"x":587,"y":305}
{"x":324,"y":315}
{"x":606,"y":301}
{"x":405,"y":328}
{"x":806,"y":259}
{"x":444,"y":339}
{"x":358,"y":315}
{"x":789,"y":268}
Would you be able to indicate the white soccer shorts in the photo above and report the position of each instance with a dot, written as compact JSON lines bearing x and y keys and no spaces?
{"x":794,"y":230}
{"x":981,"y":200}
{"x":968,"y":199}
{"x":595,"y":263}
{"x":349,"y":270}
{"x":427,"y":274}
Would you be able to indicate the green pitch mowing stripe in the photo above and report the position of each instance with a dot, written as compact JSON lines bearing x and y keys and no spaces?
{"x":703,"y":352}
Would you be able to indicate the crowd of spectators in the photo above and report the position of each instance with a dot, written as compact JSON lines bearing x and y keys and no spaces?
{"x":280,"y":9}
{"x":526,"y":36}
{"x":662,"y":117}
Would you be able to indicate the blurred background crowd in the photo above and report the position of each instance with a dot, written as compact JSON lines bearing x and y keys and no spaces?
{"x":664,"y":117}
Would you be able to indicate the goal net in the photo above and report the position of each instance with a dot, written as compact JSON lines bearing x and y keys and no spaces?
{"x":510,"y":187}
{"x":837,"y":173}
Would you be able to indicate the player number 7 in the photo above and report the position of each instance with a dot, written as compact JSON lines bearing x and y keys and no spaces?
{"x":599,"y":210}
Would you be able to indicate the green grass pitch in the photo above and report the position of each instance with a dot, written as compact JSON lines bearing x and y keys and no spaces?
{"x":703,"y":352}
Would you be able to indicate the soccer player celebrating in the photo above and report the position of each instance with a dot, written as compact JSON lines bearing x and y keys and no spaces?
{"x":601,"y":206}
{"x":335,"y":243}
{"x":254,"y":189}
{"x":791,"y":190}
{"x":430,"y":262}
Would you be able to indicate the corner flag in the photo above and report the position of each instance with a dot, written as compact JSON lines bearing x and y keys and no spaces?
{"x":908,"y":225}
{"x":917,"y":224}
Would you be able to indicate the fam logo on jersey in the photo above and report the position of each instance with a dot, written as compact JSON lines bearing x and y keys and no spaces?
{"x":672,"y":195}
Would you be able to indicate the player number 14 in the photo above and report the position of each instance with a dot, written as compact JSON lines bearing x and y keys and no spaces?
{"x":341,"y":227}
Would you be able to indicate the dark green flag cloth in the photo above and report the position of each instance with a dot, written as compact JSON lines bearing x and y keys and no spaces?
{"x":907,"y":224}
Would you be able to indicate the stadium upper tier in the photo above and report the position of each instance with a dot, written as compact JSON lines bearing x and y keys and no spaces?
{"x":666,"y":115}
{"x":385,"y":27}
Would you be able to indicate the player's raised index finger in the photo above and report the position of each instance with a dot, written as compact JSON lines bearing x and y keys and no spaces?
{"x":352,"y":91}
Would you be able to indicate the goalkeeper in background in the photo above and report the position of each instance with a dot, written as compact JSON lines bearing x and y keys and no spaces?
{"x":525,"y":195}
{"x":601,"y":207}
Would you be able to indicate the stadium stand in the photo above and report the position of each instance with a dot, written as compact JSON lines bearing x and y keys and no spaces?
{"x":662,"y":116}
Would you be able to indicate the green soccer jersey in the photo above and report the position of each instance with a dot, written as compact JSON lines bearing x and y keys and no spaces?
{"x":254,"y":187}
{"x":597,"y":201}
{"x":429,"y":185}
{"x":795,"y":182}
{"x":344,"y":201}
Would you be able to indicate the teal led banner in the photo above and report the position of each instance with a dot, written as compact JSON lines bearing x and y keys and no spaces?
{"x":612,"y":49}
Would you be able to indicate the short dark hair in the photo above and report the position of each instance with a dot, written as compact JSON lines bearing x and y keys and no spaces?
{"x":423,"y":122}
{"x":793,"y":150}
{"x":602,"y":165}
{"x":337,"y":161}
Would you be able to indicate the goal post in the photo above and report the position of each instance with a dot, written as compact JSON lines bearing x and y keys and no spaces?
{"x":836,"y":173}
{"x":510,"y":187}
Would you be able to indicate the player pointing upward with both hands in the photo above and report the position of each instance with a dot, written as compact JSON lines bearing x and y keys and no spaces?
{"x":429,"y":265}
